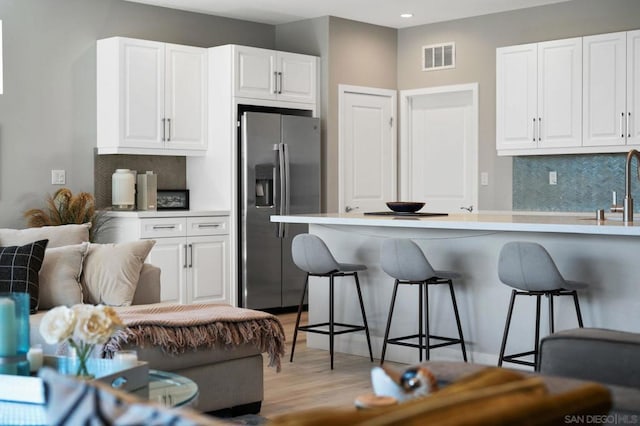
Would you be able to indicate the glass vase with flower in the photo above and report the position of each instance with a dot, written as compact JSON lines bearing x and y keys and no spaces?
{"x":82,"y":327}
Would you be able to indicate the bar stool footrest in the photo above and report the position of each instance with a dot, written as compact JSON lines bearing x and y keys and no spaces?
{"x":313,"y":328}
{"x":400,"y":341}
{"x":513,"y":358}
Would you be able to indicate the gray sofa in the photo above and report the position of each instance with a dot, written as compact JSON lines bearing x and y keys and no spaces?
{"x":227,"y":379}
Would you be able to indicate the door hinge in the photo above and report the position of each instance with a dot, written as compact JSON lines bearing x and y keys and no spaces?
{"x":391,"y":122}
{"x":238,"y":123}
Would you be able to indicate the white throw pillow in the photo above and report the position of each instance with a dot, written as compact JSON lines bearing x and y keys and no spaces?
{"x":111,"y":272}
{"x":62,"y":235}
{"x":60,"y":276}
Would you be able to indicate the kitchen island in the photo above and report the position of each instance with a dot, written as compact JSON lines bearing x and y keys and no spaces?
{"x":605,"y":254}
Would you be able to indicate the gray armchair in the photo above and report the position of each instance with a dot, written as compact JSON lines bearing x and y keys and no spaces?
{"x":607,"y":356}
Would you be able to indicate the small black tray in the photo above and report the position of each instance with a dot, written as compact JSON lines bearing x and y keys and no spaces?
{"x":391,"y":213}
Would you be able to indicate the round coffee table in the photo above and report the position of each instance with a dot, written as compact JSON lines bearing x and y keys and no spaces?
{"x":166,"y":388}
{"x":169,"y":389}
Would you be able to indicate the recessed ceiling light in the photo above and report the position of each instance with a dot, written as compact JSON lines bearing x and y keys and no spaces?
{"x":406,"y":15}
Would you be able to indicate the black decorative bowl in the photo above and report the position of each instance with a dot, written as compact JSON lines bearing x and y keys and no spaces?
{"x":405,"y":206}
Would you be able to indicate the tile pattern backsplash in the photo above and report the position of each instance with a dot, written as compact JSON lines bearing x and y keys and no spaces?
{"x":584,"y":184}
{"x":171,"y":171}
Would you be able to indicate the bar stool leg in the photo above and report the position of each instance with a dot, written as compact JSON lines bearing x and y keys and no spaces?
{"x":386,"y":331}
{"x":420,"y":324}
{"x":427,"y":333}
{"x":331,"y":329}
{"x":295,"y":331}
{"x":364,"y":316}
{"x":551,"y":319}
{"x":506,"y":328}
{"x":455,"y":311}
{"x":537,"y":338}
{"x":578,"y":313}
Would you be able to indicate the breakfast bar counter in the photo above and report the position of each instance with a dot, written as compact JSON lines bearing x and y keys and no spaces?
{"x":605,"y":254}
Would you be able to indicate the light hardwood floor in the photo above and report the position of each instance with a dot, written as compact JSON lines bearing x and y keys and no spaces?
{"x":309,"y":382}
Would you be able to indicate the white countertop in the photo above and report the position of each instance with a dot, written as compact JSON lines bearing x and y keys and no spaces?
{"x":165,"y":213}
{"x":553,"y":223}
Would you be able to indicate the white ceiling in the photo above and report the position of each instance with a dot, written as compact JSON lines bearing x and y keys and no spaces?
{"x":379,"y":12}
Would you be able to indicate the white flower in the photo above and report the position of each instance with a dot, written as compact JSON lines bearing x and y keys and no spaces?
{"x":80,"y":324}
{"x":57,"y":325}
{"x":94,"y":324}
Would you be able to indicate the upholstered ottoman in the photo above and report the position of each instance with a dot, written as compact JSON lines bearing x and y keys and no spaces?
{"x":217,"y":346}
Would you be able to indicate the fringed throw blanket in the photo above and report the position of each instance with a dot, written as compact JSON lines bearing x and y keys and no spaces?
{"x":177,"y":328}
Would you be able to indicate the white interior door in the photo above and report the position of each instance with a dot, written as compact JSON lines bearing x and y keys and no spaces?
{"x":367,"y":157}
{"x":439,"y":159}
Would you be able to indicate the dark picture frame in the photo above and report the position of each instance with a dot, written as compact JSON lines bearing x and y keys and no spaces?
{"x":173,"y":199}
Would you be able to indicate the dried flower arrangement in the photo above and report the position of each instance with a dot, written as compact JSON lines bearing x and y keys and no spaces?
{"x":65,"y":208}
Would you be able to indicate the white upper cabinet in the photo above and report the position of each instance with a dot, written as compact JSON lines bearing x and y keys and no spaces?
{"x":517,"y":97}
{"x":605,"y":99}
{"x":297,"y":77}
{"x":273,"y":75}
{"x":539,"y":96}
{"x":587,"y":95}
{"x":186,"y":97}
{"x":151,"y":98}
{"x":633,"y":88}
{"x":560,"y":93}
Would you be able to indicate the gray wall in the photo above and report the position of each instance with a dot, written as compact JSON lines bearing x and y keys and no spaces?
{"x":476,"y":40}
{"x":311,"y":37}
{"x":47,"y":111}
{"x":352,"y":53}
{"x":361,"y":55}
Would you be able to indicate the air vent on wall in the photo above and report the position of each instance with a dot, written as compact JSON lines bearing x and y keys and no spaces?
{"x":438,"y":56}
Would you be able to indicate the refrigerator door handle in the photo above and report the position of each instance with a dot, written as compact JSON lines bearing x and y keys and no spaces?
{"x":287,"y":185}
{"x":283,"y":183}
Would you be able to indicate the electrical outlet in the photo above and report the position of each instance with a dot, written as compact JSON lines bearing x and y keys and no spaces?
{"x":553,"y":178}
{"x":484,"y":178}
{"x":58,"y":177}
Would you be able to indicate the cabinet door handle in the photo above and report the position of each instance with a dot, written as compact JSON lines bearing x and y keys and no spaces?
{"x":275,"y":82}
{"x":629,"y":124}
{"x":622,"y":125}
{"x":190,"y":255}
{"x":169,"y":132}
{"x":164,"y":128}
{"x":280,"y":85}
{"x":185,"y":257}
{"x":533,"y":130}
{"x":164,"y":227}
{"x":209,"y":225}
{"x":539,"y":128}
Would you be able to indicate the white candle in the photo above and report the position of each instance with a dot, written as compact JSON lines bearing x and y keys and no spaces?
{"x":126,"y":359}
{"x":35,"y":356}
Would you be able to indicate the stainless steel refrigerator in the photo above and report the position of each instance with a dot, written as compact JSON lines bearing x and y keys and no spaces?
{"x":279,"y":174}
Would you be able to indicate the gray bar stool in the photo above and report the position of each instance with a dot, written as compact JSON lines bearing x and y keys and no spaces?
{"x":311,"y":255}
{"x":403,"y":260}
{"x":530,"y":270}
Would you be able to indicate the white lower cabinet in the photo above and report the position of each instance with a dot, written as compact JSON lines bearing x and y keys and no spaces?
{"x":192,"y":253}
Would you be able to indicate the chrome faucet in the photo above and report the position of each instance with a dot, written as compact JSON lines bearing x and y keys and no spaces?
{"x":627,"y":208}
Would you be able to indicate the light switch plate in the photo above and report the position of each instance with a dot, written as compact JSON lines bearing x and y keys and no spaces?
{"x":553,"y":178}
{"x":58,"y":177}
{"x":484,"y":178}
